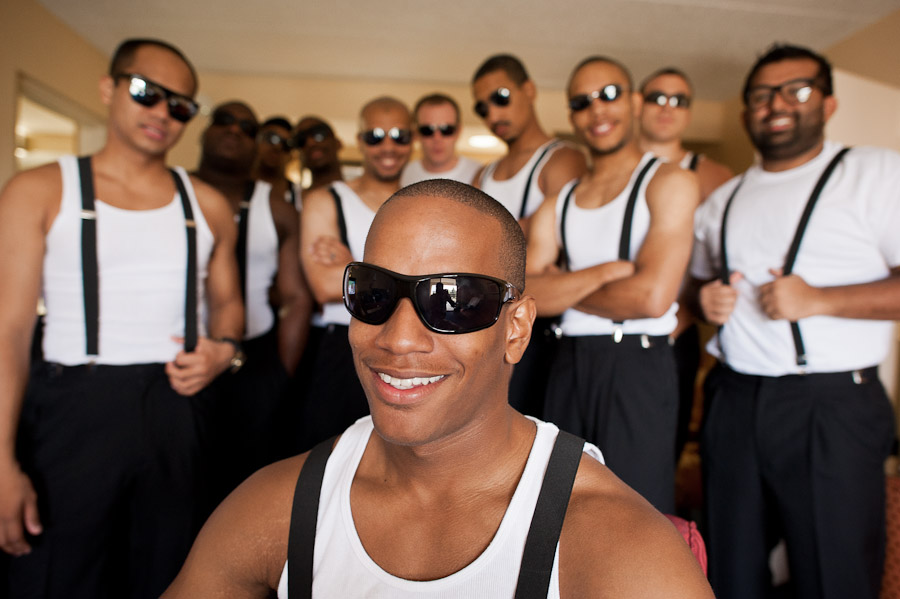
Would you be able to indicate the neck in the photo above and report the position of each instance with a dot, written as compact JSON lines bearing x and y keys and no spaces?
{"x":672,"y":151}
{"x":269,"y":174}
{"x":128,"y":162}
{"x":616,"y":163}
{"x":231,"y":184}
{"x":326,"y":176}
{"x":434,"y":167}
{"x":783,"y":164}
{"x":531,"y":138}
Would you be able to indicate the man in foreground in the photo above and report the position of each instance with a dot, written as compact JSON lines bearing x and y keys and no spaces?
{"x":797,"y":424}
{"x":440,"y":496}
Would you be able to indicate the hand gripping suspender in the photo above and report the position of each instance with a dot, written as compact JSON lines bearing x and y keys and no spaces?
{"x":90,"y":276}
{"x":624,"y":239}
{"x":540,"y":544}
{"x":792,"y":251}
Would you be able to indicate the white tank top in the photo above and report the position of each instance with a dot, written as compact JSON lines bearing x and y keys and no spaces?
{"x":262,"y":262}
{"x":464,"y":171}
{"x":511,"y":192}
{"x":348,"y":570}
{"x":592,"y":237}
{"x":358,"y":217}
{"x":141,"y":259}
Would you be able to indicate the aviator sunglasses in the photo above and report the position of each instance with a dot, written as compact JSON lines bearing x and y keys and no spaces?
{"x":148,"y":93}
{"x":450,"y":303}
{"x":429,"y":130}
{"x":223,"y":118}
{"x":375,"y":136}
{"x":500,"y":97}
{"x":608,"y":93}
{"x":673,"y":101}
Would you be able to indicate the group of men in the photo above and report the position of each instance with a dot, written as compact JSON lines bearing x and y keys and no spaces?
{"x":431,"y":328}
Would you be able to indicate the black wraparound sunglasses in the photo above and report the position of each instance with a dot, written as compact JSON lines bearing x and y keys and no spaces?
{"x":450,"y":303}
{"x":318,"y":133}
{"x":375,"y":136}
{"x":499,"y":97}
{"x":445,"y":130}
{"x":149,"y":93}
{"x":608,"y":93}
{"x":661,"y":99}
{"x":223,"y":118}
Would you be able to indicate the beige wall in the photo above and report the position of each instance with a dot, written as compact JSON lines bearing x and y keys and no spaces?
{"x":35,"y":43}
{"x":872,"y":52}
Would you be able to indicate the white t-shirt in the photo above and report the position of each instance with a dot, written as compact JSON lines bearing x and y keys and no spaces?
{"x":464,"y":172}
{"x":853,"y":236}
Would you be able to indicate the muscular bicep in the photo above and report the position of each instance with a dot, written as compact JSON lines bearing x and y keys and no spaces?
{"x":542,"y":251}
{"x":566,"y":164}
{"x":318,"y":221}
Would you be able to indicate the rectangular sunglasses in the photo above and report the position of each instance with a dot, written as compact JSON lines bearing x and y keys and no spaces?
{"x":449,"y":303}
{"x":148,"y":93}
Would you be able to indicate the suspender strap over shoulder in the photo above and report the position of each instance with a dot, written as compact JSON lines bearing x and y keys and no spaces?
{"x":341,"y":222}
{"x":531,"y":178}
{"x":304,"y":515}
{"x":564,"y":258}
{"x":549,"y":514}
{"x":90,"y":279}
{"x":791,"y":257}
{"x":190,"y":299}
{"x":695,"y":160}
{"x":241,"y":245}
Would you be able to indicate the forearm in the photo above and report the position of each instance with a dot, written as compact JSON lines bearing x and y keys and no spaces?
{"x":14,"y":362}
{"x":877,"y":300}
{"x":293,"y":330}
{"x":326,"y":283}
{"x":226,"y":319}
{"x":638,"y":296}
{"x":555,"y":292}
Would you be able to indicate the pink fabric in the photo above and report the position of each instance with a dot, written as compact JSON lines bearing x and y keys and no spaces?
{"x":688,"y":530}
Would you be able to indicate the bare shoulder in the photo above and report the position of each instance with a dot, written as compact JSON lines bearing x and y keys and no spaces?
{"x":614,"y":544}
{"x":565,"y":164}
{"x":285,"y":217}
{"x":37,"y":191}
{"x":242,"y":548}
{"x":215,"y":207}
{"x":673,"y":185}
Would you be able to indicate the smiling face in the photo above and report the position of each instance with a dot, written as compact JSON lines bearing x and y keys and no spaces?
{"x":385,"y":161}
{"x":423,"y":386}
{"x":148,"y":129}
{"x":605,"y":127}
{"x":662,"y":124}
{"x":782,"y":130}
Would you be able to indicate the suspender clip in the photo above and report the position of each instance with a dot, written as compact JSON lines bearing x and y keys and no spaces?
{"x":88,"y":215}
{"x":190,"y":223}
{"x":857,"y":377}
{"x":645,"y":341}
{"x":617,"y":334}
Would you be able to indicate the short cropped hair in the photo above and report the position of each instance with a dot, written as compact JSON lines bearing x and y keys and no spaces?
{"x":512,"y":243}
{"x":607,"y":60}
{"x":778,"y":52}
{"x":123,"y":57}
{"x":277,"y":121}
{"x":382,"y":103}
{"x":507,"y":63}
{"x":435,"y":100}
{"x":667,"y":71}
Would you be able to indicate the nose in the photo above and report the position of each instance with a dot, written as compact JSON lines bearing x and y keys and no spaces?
{"x":404,"y":333}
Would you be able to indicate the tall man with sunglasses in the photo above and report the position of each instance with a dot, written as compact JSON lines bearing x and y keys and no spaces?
{"x":136,"y":264}
{"x":535,"y":165}
{"x":437,"y":128}
{"x":436,"y":493}
{"x":334,"y":226}
{"x":273,"y":154}
{"x":268,"y":256}
{"x":797,"y":424}
{"x":624,"y":235}
{"x":665,"y":117}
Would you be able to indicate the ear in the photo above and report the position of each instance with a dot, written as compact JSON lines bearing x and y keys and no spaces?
{"x":637,"y":104}
{"x":530,"y":89}
{"x":829,"y":105}
{"x":519,"y":324}
{"x":107,"y":86}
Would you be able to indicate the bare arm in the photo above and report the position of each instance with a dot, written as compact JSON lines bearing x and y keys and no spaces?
{"x":190,"y":372}
{"x":792,"y":298}
{"x":28,"y":205}
{"x":242,"y":548}
{"x":296,"y":300}
{"x":565,"y":164}
{"x":672,"y":197}
{"x":322,"y":254}
{"x":644,"y":556}
{"x":711,"y":175}
{"x":554,"y":290}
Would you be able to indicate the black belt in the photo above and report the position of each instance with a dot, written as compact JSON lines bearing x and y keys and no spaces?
{"x":636,"y":340}
{"x":860,"y":376}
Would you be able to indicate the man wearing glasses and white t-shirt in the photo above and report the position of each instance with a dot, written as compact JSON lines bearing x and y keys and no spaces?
{"x":437,"y":128}
{"x":136,"y":266}
{"x":333,"y":228}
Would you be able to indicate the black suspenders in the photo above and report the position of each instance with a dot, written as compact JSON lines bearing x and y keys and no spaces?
{"x":624,"y":239}
{"x":695,"y":160}
{"x":90,"y":277}
{"x":794,"y":248}
{"x":241,"y":245}
{"x":531,"y":178}
{"x":341,"y":222}
{"x":540,"y":544}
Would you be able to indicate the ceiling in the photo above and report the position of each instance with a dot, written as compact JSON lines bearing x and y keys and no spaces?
{"x":714,"y":41}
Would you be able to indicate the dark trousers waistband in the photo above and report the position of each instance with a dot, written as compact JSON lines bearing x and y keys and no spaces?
{"x":629,"y":341}
{"x":859,"y":376}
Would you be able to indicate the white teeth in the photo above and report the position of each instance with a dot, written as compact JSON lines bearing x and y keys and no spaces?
{"x":408,"y":383}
